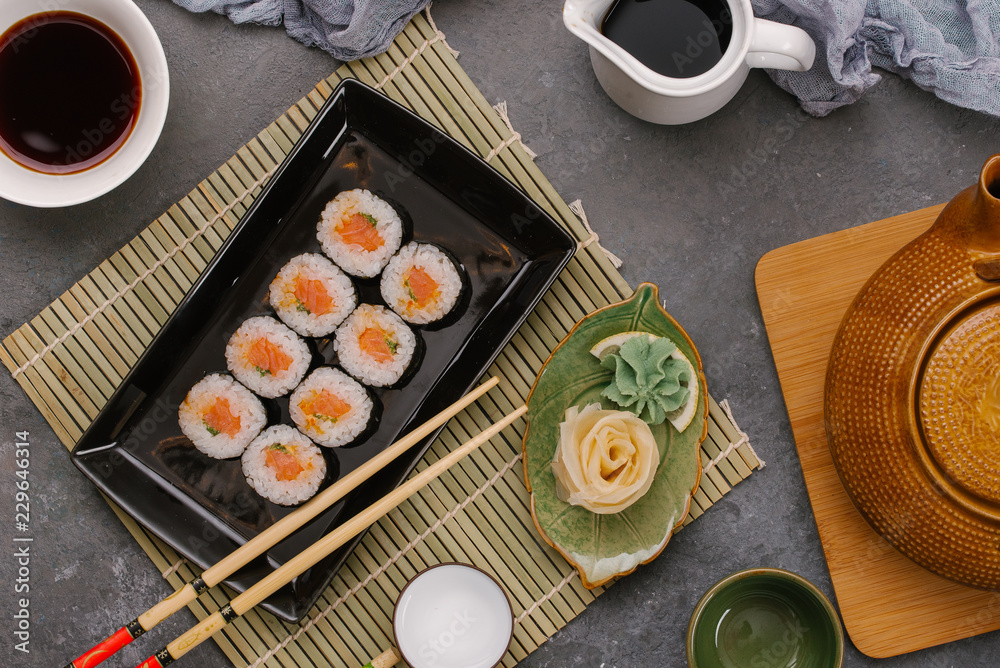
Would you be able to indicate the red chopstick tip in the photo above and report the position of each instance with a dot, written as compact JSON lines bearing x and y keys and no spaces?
{"x":151,"y":662}
{"x":103,"y":650}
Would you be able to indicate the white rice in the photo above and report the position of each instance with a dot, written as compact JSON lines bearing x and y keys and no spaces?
{"x":438,"y":266}
{"x":351,"y":257}
{"x":265,"y":481}
{"x":324,"y":429}
{"x":267,"y":382}
{"x":355,"y":361}
{"x":243,"y":405}
{"x":285,"y":293}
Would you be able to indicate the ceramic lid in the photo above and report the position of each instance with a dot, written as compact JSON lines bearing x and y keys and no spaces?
{"x":959,"y":402}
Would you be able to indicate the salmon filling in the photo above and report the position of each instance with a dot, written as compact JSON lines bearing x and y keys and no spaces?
{"x":284,"y":464}
{"x":219,"y":419}
{"x":360,"y":229}
{"x":324,"y":406}
{"x":267,"y":358}
{"x":376,"y":344}
{"x":311,"y":296}
{"x":422,"y":288}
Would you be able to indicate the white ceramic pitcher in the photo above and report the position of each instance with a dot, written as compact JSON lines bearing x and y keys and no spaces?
{"x":661,"y":99}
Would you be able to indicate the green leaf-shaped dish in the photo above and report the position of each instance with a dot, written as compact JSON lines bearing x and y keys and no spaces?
{"x":603,"y":547}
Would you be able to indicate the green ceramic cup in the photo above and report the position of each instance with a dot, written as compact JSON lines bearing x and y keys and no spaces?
{"x":764,"y":618}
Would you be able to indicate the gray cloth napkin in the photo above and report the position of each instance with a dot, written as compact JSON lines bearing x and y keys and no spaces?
{"x":347,"y":29}
{"x":949,"y":47}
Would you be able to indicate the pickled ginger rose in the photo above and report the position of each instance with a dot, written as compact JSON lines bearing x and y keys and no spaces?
{"x":605,"y":460}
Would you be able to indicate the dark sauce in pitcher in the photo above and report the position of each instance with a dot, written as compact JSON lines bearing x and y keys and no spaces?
{"x":69,"y":92}
{"x":675,"y":38}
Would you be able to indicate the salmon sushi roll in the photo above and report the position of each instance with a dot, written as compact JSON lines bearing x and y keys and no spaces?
{"x":421,"y":283}
{"x":267,"y":356}
{"x":311,"y":295}
{"x":360,"y":232}
{"x":330,"y":407}
{"x":284,"y":466}
{"x":374,"y":345}
{"x":220,"y":416}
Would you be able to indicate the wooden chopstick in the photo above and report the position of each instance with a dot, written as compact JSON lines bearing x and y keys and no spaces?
{"x":318,"y":550}
{"x":386,"y":659}
{"x":271,"y":536}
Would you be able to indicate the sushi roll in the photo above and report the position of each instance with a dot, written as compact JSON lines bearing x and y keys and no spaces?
{"x":374,"y":345}
{"x":311,"y":295}
{"x":330,"y":407}
{"x":360,"y":232}
{"x":421,"y":283}
{"x":221,"y":417}
{"x":267,"y":356}
{"x":284,"y":466}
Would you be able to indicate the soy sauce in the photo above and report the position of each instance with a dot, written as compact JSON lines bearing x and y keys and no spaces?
{"x":675,"y":38}
{"x":69,"y":92}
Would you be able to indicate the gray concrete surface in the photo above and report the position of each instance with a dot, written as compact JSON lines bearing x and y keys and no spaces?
{"x":690,"y":208}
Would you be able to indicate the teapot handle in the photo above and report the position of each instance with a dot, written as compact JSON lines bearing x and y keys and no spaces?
{"x":780,"y":47}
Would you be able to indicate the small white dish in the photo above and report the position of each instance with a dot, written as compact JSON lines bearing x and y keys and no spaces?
{"x":25,"y":186}
{"x":452,"y":616}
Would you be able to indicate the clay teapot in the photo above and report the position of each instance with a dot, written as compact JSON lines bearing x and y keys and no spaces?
{"x":913,"y":392}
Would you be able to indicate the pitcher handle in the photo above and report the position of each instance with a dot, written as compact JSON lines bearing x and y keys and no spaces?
{"x":780,"y":47}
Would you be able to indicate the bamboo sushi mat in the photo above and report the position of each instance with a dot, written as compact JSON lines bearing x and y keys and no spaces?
{"x":70,"y":358}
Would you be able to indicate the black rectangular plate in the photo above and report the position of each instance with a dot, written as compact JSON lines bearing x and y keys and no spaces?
{"x":511,"y":252}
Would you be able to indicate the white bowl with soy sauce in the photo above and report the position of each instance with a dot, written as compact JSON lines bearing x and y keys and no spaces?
{"x":84,"y":91}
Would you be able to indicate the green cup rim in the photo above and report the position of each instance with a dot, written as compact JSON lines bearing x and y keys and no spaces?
{"x":781,"y":574}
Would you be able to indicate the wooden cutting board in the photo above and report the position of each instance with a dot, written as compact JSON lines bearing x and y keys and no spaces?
{"x":889,"y":604}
